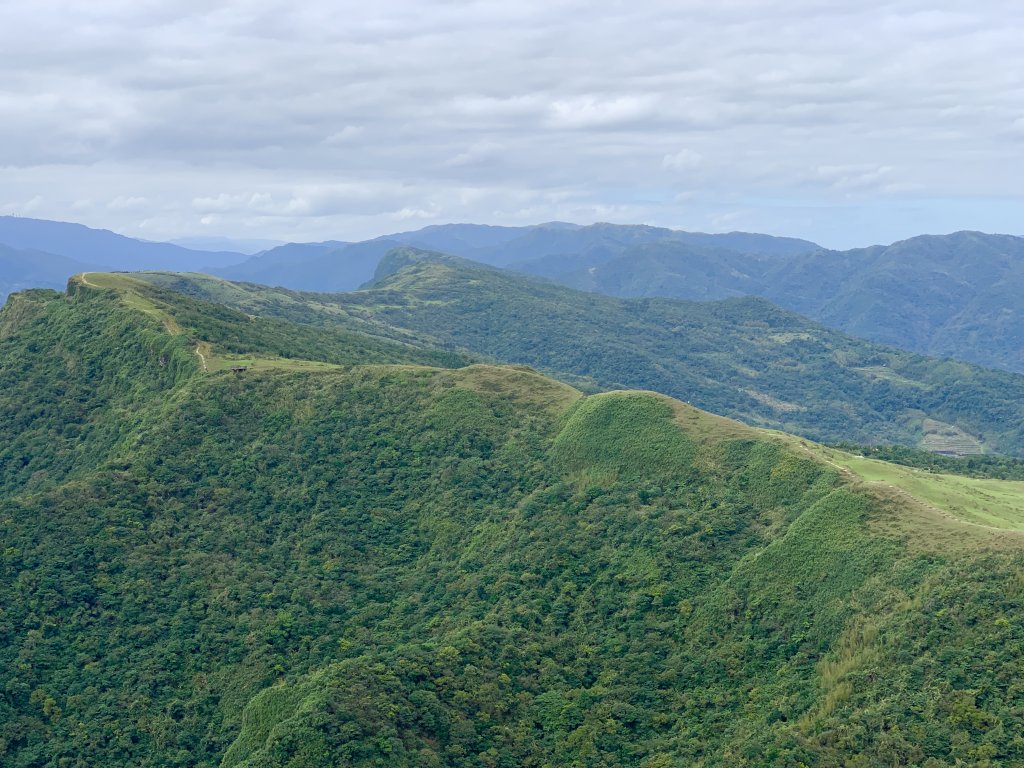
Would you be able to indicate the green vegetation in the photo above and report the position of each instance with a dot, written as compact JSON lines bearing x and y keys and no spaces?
{"x":742,"y":358}
{"x":995,"y":467}
{"x":401,"y":564}
{"x":955,"y":295}
{"x":986,"y":502}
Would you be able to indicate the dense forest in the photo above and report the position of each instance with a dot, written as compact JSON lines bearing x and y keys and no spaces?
{"x":402,"y":557}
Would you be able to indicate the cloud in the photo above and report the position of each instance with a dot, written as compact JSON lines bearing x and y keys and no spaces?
{"x":122,"y":203}
{"x":594,"y":112}
{"x":683,"y":160}
{"x":346,"y":135}
{"x":325,"y":120}
{"x":849,"y":178}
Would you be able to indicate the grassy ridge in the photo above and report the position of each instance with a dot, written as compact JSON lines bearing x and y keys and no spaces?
{"x":741,"y":358}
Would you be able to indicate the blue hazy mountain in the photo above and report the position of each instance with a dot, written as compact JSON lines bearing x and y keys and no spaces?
{"x":956,"y":295}
{"x":326,"y":266}
{"x":106,"y":249}
{"x":546,"y":250}
{"x":246,"y":246}
{"x":21,"y":269}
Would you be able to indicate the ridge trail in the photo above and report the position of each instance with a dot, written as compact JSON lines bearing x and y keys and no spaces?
{"x":202,"y":359}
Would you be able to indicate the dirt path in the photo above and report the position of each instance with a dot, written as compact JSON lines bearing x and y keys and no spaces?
{"x":202,"y":359}
{"x":85,"y":280}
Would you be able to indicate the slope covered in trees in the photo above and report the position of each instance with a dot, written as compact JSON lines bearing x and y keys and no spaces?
{"x":742,"y":358}
{"x":398,"y":564}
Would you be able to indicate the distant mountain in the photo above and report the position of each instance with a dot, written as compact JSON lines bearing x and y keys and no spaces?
{"x":529,"y":247}
{"x":958,"y":295}
{"x":461,"y":239}
{"x":555,"y":250}
{"x":329,"y":266}
{"x":21,"y":269}
{"x":106,"y":249}
{"x":246,"y":246}
{"x":660,"y":268}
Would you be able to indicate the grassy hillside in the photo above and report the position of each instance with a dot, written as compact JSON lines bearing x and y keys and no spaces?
{"x":398,"y":564}
{"x":742,"y":358}
{"x":76,"y":368}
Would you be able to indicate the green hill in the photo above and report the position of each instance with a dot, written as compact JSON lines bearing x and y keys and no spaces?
{"x":372,"y":561}
{"x":742,"y":358}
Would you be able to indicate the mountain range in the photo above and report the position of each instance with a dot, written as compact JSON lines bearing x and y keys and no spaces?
{"x":233,"y":538}
{"x":952,"y":295}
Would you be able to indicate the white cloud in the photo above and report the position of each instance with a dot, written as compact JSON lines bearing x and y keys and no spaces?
{"x":122,"y":203}
{"x":326,"y":120}
{"x":590,"y":111}
{"x":345,"y":135}
{"x":683,"y":160}
{"x":849,"y":178}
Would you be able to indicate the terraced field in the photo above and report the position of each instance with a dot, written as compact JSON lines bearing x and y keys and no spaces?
{"x":940,"y":437}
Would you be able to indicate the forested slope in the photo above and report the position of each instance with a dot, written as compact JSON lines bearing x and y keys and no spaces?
{"x":406,"y":565}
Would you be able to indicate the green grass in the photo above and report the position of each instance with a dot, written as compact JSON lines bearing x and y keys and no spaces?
{"x":128,"y":289}
{"x":263,"y":345}
{"x":940,"y":437}
{"x":996,"y":504}
{"x":217,"y":363}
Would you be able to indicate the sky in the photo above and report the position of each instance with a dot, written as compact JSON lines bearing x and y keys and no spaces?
{"x":847,"y":122}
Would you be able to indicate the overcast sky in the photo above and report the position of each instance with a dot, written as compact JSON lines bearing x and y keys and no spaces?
{"x":848,"y":122}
